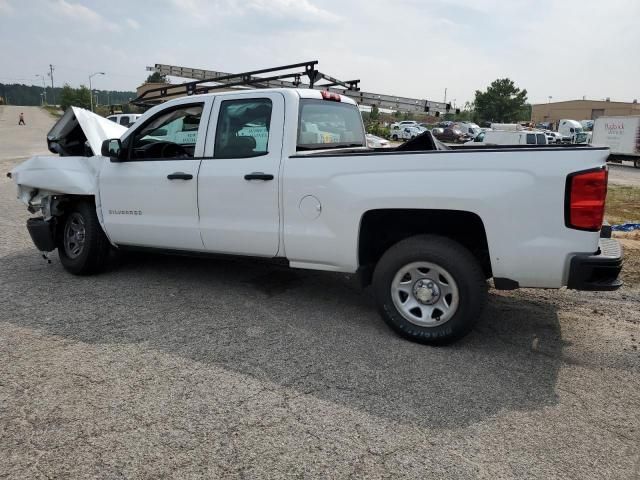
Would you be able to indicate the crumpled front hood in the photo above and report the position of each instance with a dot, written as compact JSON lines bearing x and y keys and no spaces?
{"x":78,"y":125}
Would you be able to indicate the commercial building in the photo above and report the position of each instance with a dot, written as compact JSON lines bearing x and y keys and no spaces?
{"x":581,"y":110}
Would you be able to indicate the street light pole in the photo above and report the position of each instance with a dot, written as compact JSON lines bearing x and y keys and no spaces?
{"x":44,"y":89}
{"x":91,"y":89}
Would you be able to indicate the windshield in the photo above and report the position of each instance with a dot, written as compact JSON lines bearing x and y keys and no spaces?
{"x":327,"y":124}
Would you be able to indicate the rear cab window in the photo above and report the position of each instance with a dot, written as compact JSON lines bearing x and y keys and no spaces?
{"x":326,"y":124}
{"x":531,"y":138}
{"x":542,"y":139}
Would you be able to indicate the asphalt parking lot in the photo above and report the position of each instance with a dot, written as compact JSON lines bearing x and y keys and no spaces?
{"x":170,"y":367}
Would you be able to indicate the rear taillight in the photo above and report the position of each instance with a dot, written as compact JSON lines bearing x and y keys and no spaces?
{"x":585,"y":196}
{"x":327,"y":95}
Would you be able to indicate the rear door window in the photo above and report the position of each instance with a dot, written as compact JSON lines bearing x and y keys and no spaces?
{"x":243,"y":128}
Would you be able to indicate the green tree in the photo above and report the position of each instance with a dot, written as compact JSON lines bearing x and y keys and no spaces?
{"x":397,"y":114}
{"x":156,"y":77}
{"x":67,"y":97}
{"x":502,"y":102}
{"x":525,"y":112}
{"x":374,"y":115}
{"x":83,"y":97}
{"x":467,"y":114}
{"x":75,"y":97}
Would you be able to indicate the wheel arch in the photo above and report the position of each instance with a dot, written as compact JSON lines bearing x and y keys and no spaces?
{"x":59,"y":203}
{"x":380,"y":229}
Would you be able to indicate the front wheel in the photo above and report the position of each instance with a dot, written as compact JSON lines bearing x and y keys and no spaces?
{"x":83,"y":247}
{"x":430,"y":289}
{"x":394,"y":138}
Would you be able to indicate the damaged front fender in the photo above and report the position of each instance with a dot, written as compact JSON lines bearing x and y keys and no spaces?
{"x":43,"y":176}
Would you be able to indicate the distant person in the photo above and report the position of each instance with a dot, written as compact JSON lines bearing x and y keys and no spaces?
{"x":21,"y":121}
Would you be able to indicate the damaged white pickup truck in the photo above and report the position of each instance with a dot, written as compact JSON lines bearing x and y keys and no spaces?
{"x":286,"y":174}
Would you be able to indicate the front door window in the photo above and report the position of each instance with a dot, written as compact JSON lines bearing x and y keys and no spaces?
{"x":172,"y":134}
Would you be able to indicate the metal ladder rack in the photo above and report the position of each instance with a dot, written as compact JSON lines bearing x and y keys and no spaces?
{"x":248,"y":79}
{"x":349,"y":88}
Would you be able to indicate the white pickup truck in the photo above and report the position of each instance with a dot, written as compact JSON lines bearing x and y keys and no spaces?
{"x":286,"y":174}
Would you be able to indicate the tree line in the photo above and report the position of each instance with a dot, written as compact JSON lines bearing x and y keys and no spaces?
{"x":31,"y":95}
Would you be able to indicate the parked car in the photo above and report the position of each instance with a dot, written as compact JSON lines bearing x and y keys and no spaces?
{"x":453,"y":135}
{"x":374,"y":141}
{"x":405,"y":123}
{"x":124,"y":119}
{"x":424,"y":224}
{"x":404,"y":133}
{"x":502,"y":137}
{"x":553,"y":137}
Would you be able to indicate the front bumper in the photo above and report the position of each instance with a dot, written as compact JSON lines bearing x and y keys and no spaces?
{"x":42,"y":233}
{"x":598,"y":271}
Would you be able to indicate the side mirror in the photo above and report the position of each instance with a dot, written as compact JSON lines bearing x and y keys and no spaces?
{"x":113,"y":149}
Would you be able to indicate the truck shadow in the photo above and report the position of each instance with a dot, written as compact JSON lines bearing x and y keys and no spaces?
{"x":314,"y":332}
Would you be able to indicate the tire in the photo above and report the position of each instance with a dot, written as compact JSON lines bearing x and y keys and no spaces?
{"x":460,"y":283}
{"x":636,"y":163}
{"x":83,"y":248}
{"x":394,"y":138}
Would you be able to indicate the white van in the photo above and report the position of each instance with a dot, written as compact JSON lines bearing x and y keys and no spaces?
{"x":503,"y":137}
{"x":510,"y":127}
{"x":125,"y":119}
{"x":470,"y":128}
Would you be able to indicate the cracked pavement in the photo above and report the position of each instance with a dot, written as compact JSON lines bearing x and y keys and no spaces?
{"x":170,"y":367}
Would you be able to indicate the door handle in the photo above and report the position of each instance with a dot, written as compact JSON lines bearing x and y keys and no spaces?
{"x":179,"y":176}
{"x":258,"y":176}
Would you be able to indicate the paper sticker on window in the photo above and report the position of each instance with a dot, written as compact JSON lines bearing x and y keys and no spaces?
{"x":327,"y":137}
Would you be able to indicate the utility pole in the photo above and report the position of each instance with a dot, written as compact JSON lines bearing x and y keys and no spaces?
{"x":53,"y":95}
{"x":445,"y":95}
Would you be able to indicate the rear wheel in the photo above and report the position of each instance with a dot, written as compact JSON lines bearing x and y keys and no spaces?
{"x":83,"y":247}
{"x":430,"y":289}
{"x":394,"y":137}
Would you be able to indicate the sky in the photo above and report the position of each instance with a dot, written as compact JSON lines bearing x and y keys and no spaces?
{"x":565,"y":49}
